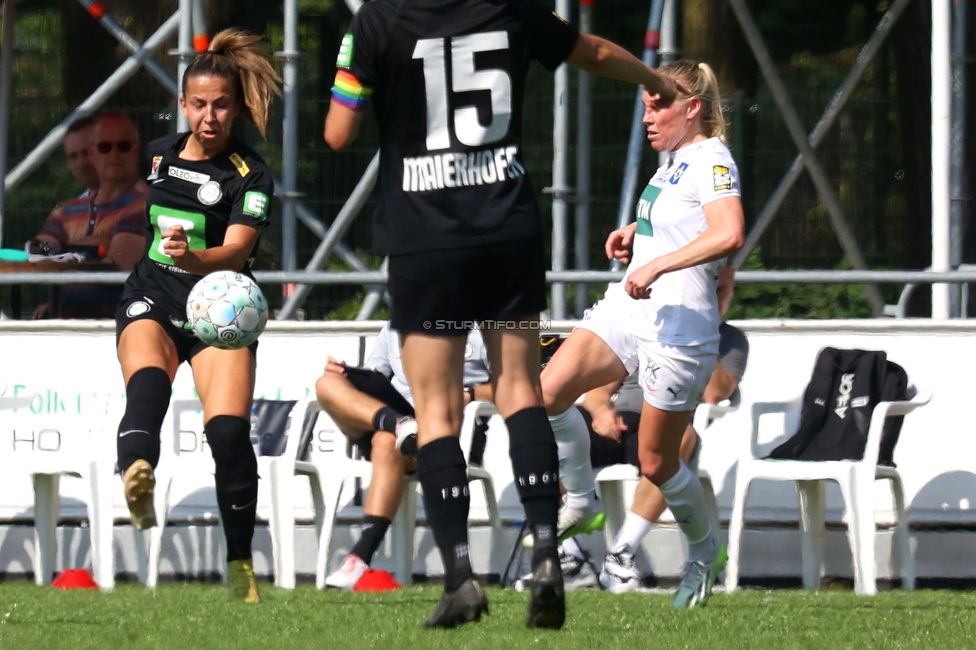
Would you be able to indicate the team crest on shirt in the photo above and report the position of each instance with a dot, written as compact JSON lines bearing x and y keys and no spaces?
{"x":649,"y":377}
{"x":678,"y":173}
{"x":154,"y":170}
{"x":723,"y":179}
{"x":138,"y":308}
{"x":209,"y":193}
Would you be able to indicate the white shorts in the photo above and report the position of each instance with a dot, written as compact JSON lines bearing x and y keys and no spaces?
{"x":611,"y":320}
{"x":672,"y":378}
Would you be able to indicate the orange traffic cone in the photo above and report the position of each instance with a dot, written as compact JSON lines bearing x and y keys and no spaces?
{"x":75,"y":579}
{"x":376,"y":580}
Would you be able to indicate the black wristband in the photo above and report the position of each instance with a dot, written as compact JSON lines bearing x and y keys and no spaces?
{"x":469,"y":389}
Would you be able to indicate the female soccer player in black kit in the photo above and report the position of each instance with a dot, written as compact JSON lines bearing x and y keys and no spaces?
{"x":458,"y":218}
{"x":208,"y":201}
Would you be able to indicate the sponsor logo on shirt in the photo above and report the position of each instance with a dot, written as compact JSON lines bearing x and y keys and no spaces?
{"x":723,"y":179}
{"x":187,"y":175}
{"x":154,"y":170}
{"x":239,"y":164}
{"x":446,"y":170}
{"x":344,"y":60}
{"x":644,"y":206}
{"x":678,"y":173}
{"x":256,"y":204}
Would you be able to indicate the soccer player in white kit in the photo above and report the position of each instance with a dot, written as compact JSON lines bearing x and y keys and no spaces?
{"x":662,"y":318}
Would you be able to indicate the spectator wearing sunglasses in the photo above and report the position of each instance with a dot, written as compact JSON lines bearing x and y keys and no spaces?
{"x":108,"y":225}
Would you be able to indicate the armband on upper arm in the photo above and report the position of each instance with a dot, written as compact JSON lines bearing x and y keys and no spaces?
{"x":349,"y":92}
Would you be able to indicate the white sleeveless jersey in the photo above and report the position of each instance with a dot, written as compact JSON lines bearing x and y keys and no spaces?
{"x":683,"y":308}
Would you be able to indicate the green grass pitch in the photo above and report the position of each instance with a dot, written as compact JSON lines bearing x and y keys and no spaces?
{"x":198,"y":615}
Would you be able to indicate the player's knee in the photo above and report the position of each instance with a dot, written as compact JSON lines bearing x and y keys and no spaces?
{"x":384,"y":454}
{"x":655,"y":468}
{"x":326,"y":389}
{"x":554,"y":398}
{"x":229,"y":438}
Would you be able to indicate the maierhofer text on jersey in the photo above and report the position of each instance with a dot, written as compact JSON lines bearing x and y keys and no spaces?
{"x":484,"y":167}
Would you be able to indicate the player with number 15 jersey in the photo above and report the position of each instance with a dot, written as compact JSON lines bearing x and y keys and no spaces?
{"x":458,"y":219}
{"x":449,"y":80}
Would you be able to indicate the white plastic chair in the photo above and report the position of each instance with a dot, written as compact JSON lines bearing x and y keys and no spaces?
{"x":46,"y":470}
{"x":328,"y":477}
{"x":405,"y":522}
{"x":171,"y":463}
{"x":856,"y":479}
{"x":275,"y":469}
{"x":611,"y":479}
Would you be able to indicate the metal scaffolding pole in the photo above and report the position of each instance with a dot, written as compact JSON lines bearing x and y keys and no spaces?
{"x":354,"y":204}
{"x":6,"y":72}
{"x":560,"y":174}
{"x":201,"y":39}
{"x":845,"y":236}
{"x":638,"y":135}
{"x":53,"y":139}
{"x":584,"y":114}
{"x":289,"y":146}
{"x":837,"y":102}
{"x":957,"y":164}
{"x":669,"y":51}
{"x":184,"y":50}
{"x":941,"y":134}
{"x":97,"y":11}
{"x":376,"y":293}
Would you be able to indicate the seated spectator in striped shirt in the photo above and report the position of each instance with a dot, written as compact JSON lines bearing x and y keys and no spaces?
{"x":108,"y":225}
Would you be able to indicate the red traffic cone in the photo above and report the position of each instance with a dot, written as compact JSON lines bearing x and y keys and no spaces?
{"x":376,"y":580}
{"x":75,"y":579}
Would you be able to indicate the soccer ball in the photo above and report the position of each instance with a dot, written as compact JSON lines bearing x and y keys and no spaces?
{"x":227,"y":310}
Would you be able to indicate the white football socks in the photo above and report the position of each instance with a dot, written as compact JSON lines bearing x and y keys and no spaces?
{"x":686,"y":500}
{"x":573,"y":443}
{"x":632,"y":532}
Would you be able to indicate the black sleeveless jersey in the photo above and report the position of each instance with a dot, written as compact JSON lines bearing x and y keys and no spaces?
{"x":205,"y":197}
{"x":448,"y":79}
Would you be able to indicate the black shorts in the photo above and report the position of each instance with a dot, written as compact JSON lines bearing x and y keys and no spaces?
{"x":376,"y":385}
{"x":443,"y":292}
{"x":153,"y":304}
{"x":604,"y":451}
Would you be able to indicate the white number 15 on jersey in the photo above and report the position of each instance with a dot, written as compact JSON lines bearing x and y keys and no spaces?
{"x":467,"y":127}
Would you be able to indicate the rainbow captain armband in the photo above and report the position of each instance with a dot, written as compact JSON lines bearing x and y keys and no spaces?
{"x":349,"y":92}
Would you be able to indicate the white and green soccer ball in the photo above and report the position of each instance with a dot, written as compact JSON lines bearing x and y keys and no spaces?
{"x":227,"y":310}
